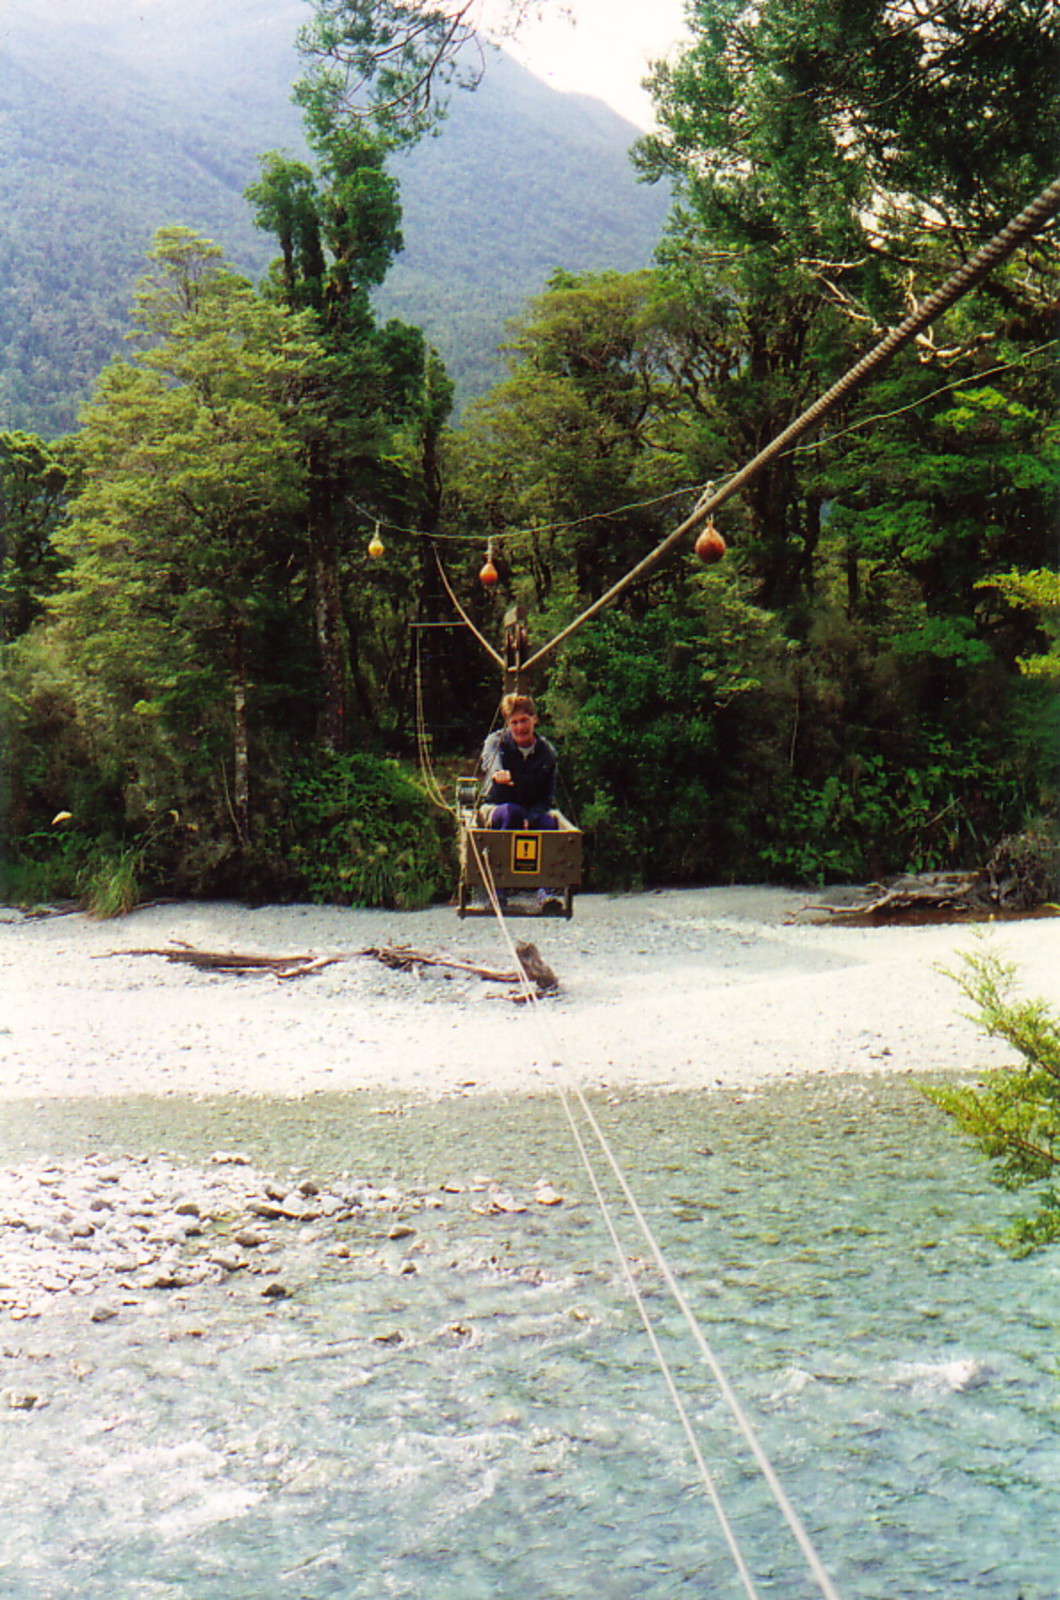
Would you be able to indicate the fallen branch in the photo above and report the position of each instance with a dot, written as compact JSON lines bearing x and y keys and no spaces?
{"x":399,"y":957}
{"x":403,"y":958}
{"x":941,"y":892}
{"x":232,"y":961}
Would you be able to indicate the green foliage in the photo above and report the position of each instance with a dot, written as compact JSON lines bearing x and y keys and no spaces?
{"x":1038,"y":592}
{"x":933,"y":807}
{"x":112,"y":886}
{"x":360,"y":832}
{"x":34,"y":481}
{"x":179,"y":539}
{"x":1013,"y":1116}
{"x":666,"y":723}
{"x":842,"y":697}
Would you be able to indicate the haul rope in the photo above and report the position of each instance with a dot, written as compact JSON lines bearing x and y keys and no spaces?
{"x":710,"y":1359}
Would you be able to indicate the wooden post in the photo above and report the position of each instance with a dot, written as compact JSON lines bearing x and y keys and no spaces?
{"x":516,"y":650}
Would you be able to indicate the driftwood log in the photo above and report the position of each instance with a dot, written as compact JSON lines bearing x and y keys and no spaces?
{"x":399,"y":957}
{"x":942,"y":894}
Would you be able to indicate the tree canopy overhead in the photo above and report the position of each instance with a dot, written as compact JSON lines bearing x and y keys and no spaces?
{"x":869,"y":119}
{"x":388,"y":63}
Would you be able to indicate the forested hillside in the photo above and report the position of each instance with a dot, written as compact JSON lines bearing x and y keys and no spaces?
{"x":119,"y":119}
{"x":229,"y":637}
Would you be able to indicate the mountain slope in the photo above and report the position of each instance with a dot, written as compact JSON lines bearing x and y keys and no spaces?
{"x":522,"y":181}
{"x":119,"y":116}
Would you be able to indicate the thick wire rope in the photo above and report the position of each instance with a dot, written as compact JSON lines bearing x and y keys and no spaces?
{"x":1029,"y":222}
{"x":743,"y":1423}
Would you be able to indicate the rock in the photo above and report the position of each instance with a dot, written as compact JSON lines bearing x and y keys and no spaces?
{"x":292,"y":1210}
{"x":170,"y":1278}
{"x":249,"y":1240}
{"x":21,"y":1400}
{"x":545,"y":1195}
{"x":275,"y":1291}
{"x":401,"y":1230}
{"x":228,"y":1261}
{"x":187,"y":1208}
{"x":103,"y":1313}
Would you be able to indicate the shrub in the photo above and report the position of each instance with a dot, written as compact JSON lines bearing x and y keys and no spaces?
{"x":360,"y":832}
{"x":1013,"y":1115}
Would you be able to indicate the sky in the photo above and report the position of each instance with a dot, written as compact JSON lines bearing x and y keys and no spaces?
{"x":606,"y":52}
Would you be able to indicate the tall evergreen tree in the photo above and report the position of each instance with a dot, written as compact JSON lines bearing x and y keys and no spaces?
{"x":178,"y":540}
{"x":338,"y":232}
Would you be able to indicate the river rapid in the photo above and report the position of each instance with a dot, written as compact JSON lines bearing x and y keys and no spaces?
{"x":348,"y":1351}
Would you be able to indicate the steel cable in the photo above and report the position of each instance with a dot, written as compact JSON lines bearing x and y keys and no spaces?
{"x":1029,"y":222}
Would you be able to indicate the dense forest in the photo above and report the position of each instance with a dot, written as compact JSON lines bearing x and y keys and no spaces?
{"x":216,"y":682}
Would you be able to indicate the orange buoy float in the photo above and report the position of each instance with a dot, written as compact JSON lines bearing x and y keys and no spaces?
{"x":710,"y":546}
{"x":375,"y":545}
{"x":488,"y":574}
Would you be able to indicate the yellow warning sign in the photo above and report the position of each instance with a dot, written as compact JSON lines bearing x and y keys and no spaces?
{"x":526,"y":852}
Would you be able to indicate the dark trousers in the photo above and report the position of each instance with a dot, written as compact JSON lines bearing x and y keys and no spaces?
{"x":511,"y":815}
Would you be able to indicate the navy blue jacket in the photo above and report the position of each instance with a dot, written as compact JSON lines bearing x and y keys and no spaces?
{"x":533,"y":784}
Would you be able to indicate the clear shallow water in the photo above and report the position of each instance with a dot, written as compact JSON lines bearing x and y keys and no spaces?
{"x":493,"y":1424}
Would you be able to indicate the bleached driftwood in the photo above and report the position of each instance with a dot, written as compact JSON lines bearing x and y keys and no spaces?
{"x":941,"y":892}
{"x":400,"y":958}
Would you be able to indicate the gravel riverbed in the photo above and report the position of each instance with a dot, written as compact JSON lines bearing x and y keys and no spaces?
{"x":681,"y":989}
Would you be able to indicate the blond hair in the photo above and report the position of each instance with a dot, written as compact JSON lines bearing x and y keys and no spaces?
{"x":511,"y":704}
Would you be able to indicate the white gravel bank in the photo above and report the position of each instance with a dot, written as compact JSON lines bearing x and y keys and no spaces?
{"x":680,"y":989}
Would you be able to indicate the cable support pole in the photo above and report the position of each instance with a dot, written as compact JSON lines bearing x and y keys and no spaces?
{"x":1029,"y":222}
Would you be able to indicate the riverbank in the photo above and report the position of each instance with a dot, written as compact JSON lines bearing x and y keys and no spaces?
{"x":682,"y":989}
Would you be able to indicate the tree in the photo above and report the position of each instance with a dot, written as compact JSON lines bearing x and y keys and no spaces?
{"x":178,"y":539}
{"x":1013,"y":1116}
{"x":34,"y":480}
{"x":338,"y":231}
{"x":669,"y":720}
{"x":829,"y":160}
{"x":387,"y":63}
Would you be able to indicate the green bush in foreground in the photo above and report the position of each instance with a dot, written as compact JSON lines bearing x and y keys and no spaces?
{"x":1013,"y":1115}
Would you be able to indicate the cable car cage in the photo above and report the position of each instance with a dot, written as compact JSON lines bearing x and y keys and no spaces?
{"x":534,"y":871}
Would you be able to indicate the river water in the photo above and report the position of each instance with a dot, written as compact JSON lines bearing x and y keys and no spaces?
{"x":440,"y":1388}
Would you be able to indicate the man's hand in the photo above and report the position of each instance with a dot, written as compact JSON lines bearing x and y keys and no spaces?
{"x":502,"y":777}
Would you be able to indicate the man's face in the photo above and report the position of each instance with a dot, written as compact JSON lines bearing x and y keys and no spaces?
{"x":521,"y":726}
